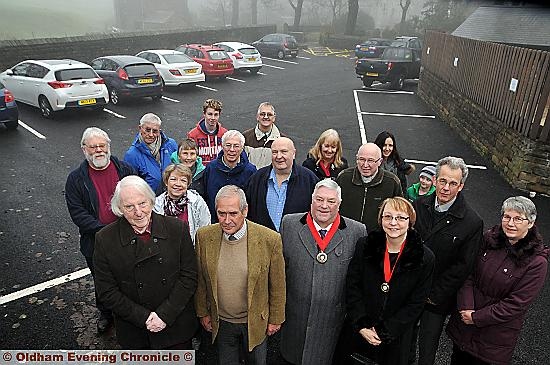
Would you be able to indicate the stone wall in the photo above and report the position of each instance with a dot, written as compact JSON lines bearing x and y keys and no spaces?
{"x":524,"y":163}
{"x":86,"y":48}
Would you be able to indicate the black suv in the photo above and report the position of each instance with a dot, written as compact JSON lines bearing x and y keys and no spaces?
{"x":128,"y":76}
{"x":277,"y":44}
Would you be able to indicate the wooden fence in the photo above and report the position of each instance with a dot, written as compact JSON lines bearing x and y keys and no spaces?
{"x":485,"y":72}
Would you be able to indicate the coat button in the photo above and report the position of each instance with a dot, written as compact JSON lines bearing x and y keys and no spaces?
{"x":163,"y":281}
{"x":160,"y":260}
{"x":138,"y":265}
{"x":140,"y":285}
{"x":155,"y":240}
{"x":133,"y":242}
{"x":505,"y":270}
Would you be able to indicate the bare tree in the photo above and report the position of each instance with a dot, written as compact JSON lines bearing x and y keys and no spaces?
{"x":234,"y":13}
{"x":404,"y":4}
{"x":353,"y":10}
{"x":297,"y":12}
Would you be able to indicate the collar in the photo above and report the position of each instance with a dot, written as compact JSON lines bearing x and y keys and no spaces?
{"x":273,"y":175}
{"x":443,"y":207}
{"x":342,"y":225}
{"x":239,"y":234}
{"x":271,"y":135}
{"x":357,"y":178}
{"x":318,"y":227}
{"x":368,"y":179}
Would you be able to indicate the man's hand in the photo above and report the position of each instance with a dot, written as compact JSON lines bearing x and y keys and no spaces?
{"x":154,"y":323}
{"x":206,"y":323}
{"x":467,"y":316}
{"x":272,"y":329}
{"x":371,"y":336}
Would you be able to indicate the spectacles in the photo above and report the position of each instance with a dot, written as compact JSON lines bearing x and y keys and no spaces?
{"x":102,"y":146}
{"x":399,"y":218}
{"x":174,"y":179}
{"x":516,"y":220}
{"x":444,"y":182}
{"x":234,"y":146}
{"x":150,"y":130}
{"x":131,"y":208}
{"x":329,"y":201}
{"x":369,"y":161}
{"x":264,"y":114}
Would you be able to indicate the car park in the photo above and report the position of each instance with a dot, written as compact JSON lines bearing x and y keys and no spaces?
{"x":175,"y":68}
{"x":9,"y":114}
{"x":215,"y":61}
{"x":278,"y":45}
{"x":244,"y":56}
{"x":372,"y":48}
{"x":129,"y":76}
{"x":54,"y":85}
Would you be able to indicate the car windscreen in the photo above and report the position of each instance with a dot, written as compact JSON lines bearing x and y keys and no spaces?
{"x":217,"y":55}
{"x":75,"y":74}
{"x":177,"y":58}
{"x":396,"y":53}
{"x":248,"y":51}
{"x":139,"y":70}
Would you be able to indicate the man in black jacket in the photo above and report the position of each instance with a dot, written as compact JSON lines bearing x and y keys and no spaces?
{"x":88,"y":193}
{"x":453,"y":231}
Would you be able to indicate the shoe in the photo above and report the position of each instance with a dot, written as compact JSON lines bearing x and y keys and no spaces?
{"x":104,"y":322}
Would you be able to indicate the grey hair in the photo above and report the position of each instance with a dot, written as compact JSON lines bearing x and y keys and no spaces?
{"x":453,"y":163}
{"x":268,"y":104}
{"x":232,"y":133}
{"x":230,"y":191}
{"x":150,"y":118}
{"x":136,"y":182}
{"x":92,"y":132}
{"x":329,"y":184}
{"x":521,"y":205}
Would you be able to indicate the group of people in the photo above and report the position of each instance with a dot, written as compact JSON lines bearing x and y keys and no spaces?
{"x":349,"y":264}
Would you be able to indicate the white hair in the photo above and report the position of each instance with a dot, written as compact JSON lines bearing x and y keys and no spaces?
{"x":130,"y":181}
{"x":150,"y":118}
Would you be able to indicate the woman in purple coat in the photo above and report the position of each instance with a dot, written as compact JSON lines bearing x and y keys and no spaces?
{"x":492,"y":303}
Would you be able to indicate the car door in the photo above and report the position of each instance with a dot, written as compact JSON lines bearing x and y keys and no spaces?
{"x":37,"y":84}
{"x":16,"y":81}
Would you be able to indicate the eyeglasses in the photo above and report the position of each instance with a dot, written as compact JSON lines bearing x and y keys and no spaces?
{"x":150,"y":130}
{"x":264,"y":114}
{"x":234,"y":146}
{"x":102,"y":146}
{"x":399,"y":218}
{"x":330,"y":202}
{"x":369,"y":161}
{"x":131,"y":208}
{"x":444,"y":182}
{"x":174,"y":179}
{"x":516,"y":220}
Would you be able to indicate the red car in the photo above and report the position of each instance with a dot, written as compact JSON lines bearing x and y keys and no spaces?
{"x":215,"y":61}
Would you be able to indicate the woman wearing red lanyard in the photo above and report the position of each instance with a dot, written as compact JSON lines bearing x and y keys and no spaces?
{"x":388,"y":281}
{"x":325,"y":158}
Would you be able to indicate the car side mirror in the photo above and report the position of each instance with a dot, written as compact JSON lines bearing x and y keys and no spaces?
{"x":9,"y":72}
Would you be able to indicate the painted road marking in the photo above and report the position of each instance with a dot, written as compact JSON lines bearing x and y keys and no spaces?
{"x":278,"y":60}
{"x":43,"y":286}
{"x":479,"y":167}
{"x":206,"y":88}
{"x":277,"y":67}
{"x":303,"y":58}
{"x":261,"y":73}
{"x":170,"y":99}
{"x":33,"y":131}
{"x":113,"y":113}
{"x":360,"y":118}
{"x":385,"y":91}
{"x":234,"y":79}
{"x":400,"y":115}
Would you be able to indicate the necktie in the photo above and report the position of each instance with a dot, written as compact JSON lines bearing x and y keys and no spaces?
{"x":322,"y":233}
{"x":232,"y":238}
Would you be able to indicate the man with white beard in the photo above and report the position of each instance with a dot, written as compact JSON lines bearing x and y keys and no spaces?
{"x":88,"y":193}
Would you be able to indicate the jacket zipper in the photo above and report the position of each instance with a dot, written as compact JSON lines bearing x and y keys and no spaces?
{"x":363,"y":207}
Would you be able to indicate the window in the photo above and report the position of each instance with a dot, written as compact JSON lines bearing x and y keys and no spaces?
{"x":36,"y":71}
{"x":97,"y":64}
{"x":217,"y":55}
{"x":75,"y":74}
{"x":177,"y":58}
{"x":21,"y":70}
{"x":248,"y":51}
{"x":110,"y":65}
{"x":269,"y":38}
{"x":140,"y":70}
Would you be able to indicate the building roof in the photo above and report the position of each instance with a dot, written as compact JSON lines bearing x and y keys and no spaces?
{"x":522,"y":26}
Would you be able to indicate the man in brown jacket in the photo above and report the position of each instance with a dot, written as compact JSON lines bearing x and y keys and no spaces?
{"x":241,"y":281}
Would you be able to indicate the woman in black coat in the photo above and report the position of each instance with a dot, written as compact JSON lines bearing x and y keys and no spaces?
{"x":388,"y":281}
{"x":392,"y":161}
{"x":325,"y":158}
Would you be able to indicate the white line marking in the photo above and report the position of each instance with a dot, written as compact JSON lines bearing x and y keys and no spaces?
{"x":39,"y":135}
{"x":170,"y":99}
{"x":400,"y":115}
{"x":277,"y":67}
{"x":261,"y":73}
{"x":43,"y":286}
{"x":113,"y":113}
{"x":303,"y":58}
{"x":206,"y":88}
{"x":360,"y":118}
{"x":234,"y":79}
{"x":278,"y":60}
{"x":385,"y":92}
{"x":479,"y":167}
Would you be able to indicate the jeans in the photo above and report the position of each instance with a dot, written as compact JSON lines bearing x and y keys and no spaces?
{"x":431,"y":326}
{"x":233,"y":337}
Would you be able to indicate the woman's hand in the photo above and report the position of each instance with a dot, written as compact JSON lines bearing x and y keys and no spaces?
{"x":467,"y":316}
{"x":371,"y":336}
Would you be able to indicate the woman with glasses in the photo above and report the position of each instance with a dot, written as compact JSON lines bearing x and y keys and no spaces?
{"x":392,"y":160}
{"x":388,"y":281}
{"x":509,"y":275}
{"x":325,"y":158}
{"x":181,"y":202}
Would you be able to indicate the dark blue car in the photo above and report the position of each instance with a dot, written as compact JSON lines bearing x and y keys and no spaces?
{"x":373,"y":48}
{"x":9,"y":114}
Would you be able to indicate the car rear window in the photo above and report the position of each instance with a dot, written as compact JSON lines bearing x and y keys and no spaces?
{"x":217,"y":55}
{"x":248,"y":51}
{"x":75,"y":74}
{"x":395,"y":53}
{"x":177,"y":58}
{"x":140,"y":70}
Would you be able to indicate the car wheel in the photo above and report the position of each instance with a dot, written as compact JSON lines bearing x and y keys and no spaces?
{"x":280,"y":55}
{"x":113,"y":95}
{"x":12,"y":125}
{"x":45,"y":107}
{"x":156,"y":97}
{"x":254,"y":71}
{"x":367,"y":82}
{"x":398,"y":82}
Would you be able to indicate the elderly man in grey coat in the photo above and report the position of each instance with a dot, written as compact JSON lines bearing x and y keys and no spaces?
{"x":317,"y":247}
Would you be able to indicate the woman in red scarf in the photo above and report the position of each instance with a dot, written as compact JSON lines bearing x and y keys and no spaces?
{"x":325,"y":158}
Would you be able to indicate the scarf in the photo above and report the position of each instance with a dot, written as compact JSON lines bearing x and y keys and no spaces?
{"x":153,"y":147}
{"x":174,"y":208}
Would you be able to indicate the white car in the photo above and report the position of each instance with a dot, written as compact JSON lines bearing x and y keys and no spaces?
{"x":175,"y":68}
{"x":244,"y":56}
{"x":54,"y":85}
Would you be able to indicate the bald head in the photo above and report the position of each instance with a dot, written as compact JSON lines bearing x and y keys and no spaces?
{"x":282,"y":155}
{"x":369,"y":158}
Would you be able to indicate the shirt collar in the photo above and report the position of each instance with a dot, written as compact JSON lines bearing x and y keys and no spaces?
{"x":318,"y":227}
{"x":239,"y":234}
{"x":260,"y":134}
{"x":273,"y":176}
{"x":443,"y":207}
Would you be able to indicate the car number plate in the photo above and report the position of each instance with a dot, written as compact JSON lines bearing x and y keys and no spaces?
{"x":222,"y":65}
{"x":252,"y":59}
{"x":145,"y":81}
{"x":364,"y":48}
{"x":374,"y":74}
{"x":87,"y":102}
{"x":191,"y":71}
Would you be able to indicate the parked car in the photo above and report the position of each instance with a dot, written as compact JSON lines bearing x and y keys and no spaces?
{"x":215,"y":61}
{"x":175,"y":68}
{"x":129,"y":76}
{"x":396,"y":65}
{"x":408,"y":42}
{"x":244,"y":56}
{"x":54,"y":85}
{"x":277,"y":44}
{"x":372,"y":48}
{"x":9,"y":114}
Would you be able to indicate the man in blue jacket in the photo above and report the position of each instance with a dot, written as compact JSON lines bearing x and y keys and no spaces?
{"x":88,"y":193}
{"x":150,"y":152}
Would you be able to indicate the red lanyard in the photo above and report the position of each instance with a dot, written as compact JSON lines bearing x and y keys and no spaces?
{"x":387,"y":273}
{"x":322,"y":242}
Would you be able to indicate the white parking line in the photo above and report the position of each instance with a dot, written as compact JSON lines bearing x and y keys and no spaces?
{"x":277,"y":67}
{"x":303,"y":58}
{"x":399,"y":115}
{"x":170,"y":99}
{"x":385,"y":91}
{"x":39,"y":135}
{"x":43,"y":286}
{"x":206,"y":87}
{"x":278,"y":60}
{"x":234,"y":79}
{"x":113,"y":113}
{"x":360,"y":118}
{"x":261,"y":73}
{"x":479,"y":167}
